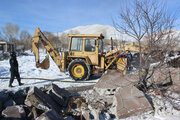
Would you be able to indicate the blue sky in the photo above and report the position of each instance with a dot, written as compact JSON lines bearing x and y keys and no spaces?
{"x":60,"y":15}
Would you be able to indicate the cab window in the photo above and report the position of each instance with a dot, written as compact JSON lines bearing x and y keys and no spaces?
{"x":90,"y":45}
{"x":76,"y":44}
{"x":100,"y":45}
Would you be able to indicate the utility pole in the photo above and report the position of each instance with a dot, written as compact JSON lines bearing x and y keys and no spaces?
{"x":112,"y":44}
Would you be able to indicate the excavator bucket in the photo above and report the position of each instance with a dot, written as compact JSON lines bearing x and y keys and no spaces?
{"x":45,"y":64}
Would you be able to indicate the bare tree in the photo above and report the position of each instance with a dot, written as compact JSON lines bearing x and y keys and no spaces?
{"x":53,"y":38}
{"x":64,"y":38}
{"x":147,"y":19}
{"x":1,"y":37}
{"x":25,"y":38}
{"x":10,"y":32}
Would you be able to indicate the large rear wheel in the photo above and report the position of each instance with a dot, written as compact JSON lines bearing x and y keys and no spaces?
{"x":79,"y":70}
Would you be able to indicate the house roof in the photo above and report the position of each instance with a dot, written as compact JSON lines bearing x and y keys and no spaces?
{"x":5,"y":42}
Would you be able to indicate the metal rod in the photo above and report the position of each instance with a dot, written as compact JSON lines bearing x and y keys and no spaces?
{"x":50,"y":80}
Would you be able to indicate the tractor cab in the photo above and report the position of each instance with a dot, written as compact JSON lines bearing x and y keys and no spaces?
{"x":87,"y":47}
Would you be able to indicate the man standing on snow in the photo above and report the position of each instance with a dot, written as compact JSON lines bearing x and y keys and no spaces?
{"x":14,"y":69}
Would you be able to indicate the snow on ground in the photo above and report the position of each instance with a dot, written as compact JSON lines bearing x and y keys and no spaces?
{"x":27,"y":69}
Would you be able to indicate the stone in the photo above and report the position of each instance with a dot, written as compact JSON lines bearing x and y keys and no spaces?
{"x":50,"y":115}
{"x":130,"y":104}
{"x":167,"y":76}
{"x":3,"y":95}
{"x":1,"y":106}
{"x":61,"y":96}
{"x":113,"y":79}
{"x":79,"y":89}
{"x":86,"y":115}
{"x":40,"y":100}
{"x":69,"y":118}
{"x":19,"y":97}
{"x":9,"y":102}
{"x":15,"y":112}
{"x":119,"y":101}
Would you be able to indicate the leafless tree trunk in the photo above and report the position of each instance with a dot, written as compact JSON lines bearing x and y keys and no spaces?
{"x":25,"y":38}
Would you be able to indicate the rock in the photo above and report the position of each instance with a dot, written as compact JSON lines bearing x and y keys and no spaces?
{"x":50,"y":115}
{"x":1,"y":106}
{"x":130,"y":101}
{"x":4,"y":95}
{"x":9,"y":102}
{"x":86,"y":115}
{"x":19,"y":97}
{"x":114,"y":79}
{"x":69,"y":118}
{"x":40,"y":100}
{"x":59,"y":95}
{"x":167,"y":76}
{"x":79,"y":89}
{"x":15,"y":112}
{"x":175,"y":75}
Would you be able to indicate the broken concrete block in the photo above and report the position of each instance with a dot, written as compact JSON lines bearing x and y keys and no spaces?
{"x":59,"y":95}
{"x":114,"y":79}
{"x":86,"y":115}
{"x":19,"y":97}
{"x":9,"y":102}
{"x":3,"y":96}
{"x":130,"y":104}
{"x":1,"y":106}
{"x":79,"y":89}
{"x":14,"y":112}
{"x":50,"y":115}
{"x":40,"y":100}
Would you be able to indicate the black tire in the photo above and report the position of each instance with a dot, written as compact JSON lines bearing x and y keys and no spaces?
{"x":82,"y":63}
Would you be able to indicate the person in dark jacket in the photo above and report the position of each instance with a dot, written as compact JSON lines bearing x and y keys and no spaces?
{"x":14,"y":69}
{"x":129,"y":60}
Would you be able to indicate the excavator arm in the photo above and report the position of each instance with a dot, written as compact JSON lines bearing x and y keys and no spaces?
{"x":119,"y":55}
{"x":39,"y":36}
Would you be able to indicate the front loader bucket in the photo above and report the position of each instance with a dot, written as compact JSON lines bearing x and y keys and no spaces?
{"x":44,"y":64}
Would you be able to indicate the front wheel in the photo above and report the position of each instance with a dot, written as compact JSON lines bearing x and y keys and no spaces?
{"x":79,"y":70}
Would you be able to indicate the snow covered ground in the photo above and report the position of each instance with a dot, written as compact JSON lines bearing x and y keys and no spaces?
{"x":27,"y":69}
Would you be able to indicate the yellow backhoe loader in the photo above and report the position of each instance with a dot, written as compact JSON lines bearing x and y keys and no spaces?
{"x":84,"y":57}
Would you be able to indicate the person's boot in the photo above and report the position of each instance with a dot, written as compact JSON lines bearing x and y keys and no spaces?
{"x":11,"y":85}
{"x":21,"y":84}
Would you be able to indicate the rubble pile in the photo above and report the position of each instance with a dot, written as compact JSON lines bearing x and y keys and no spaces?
{"x":47,"y":103}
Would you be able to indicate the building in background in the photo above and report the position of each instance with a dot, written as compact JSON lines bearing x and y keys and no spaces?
{"x":6,"y":47}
